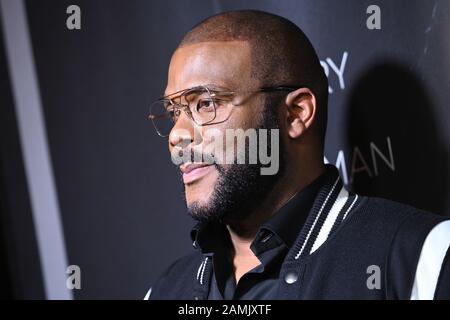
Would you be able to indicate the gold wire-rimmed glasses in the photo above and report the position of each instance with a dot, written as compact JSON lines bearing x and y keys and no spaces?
{"x":204,"y":105}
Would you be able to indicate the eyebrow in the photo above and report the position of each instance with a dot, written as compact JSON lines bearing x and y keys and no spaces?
{"x":210,"y":86}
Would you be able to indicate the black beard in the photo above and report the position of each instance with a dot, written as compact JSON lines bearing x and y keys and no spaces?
{"x":241,"y":187}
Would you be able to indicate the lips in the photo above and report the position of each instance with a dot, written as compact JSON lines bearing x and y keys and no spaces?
{"x":194,"y":171}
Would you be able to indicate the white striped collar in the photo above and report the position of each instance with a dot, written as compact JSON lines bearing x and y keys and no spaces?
{"x":331,"y":206}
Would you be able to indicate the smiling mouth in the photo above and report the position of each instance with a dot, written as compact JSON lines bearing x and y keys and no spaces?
{"x":194,"y":171}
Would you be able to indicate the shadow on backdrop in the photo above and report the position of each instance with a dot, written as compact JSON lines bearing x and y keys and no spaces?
{"x":390,"y":101}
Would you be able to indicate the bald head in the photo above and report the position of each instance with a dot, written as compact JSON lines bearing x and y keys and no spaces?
{"x":281,"y":53}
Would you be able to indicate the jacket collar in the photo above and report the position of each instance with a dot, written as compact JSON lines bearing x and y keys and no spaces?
{"x":331,"y":207}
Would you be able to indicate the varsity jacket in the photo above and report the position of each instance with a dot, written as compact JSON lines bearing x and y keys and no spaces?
{"x":350,"y":247}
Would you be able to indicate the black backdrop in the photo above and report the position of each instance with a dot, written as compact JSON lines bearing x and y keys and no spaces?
{"x":121,"y":208}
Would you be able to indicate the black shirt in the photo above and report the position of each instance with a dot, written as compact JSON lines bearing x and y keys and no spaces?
{"x":270,"y":246}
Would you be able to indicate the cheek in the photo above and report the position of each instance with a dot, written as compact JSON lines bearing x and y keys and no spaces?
{"x":243,"y":117}
{"x":214,"y":139}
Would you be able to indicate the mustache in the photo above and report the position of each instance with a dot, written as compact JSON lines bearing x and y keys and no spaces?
{"x":194,"y":156}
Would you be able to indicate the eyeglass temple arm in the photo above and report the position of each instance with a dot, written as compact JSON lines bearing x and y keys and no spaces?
{"x":279,"y":88}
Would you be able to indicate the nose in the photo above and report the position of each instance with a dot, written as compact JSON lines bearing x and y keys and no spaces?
{"x":182,"y":133}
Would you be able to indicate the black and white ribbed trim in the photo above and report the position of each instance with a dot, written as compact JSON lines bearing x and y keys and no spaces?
{"x":325,"y":217}
{"x":201,"y":270}
{"x":434,"y":250}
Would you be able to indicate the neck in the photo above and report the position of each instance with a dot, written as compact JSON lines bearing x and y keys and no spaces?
{"x":243,"y":233}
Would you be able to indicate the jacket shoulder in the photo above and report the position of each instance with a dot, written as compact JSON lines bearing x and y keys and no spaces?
{"x":410,"y":229}
{"x":390,"y":211}
{"x":403,"y":226}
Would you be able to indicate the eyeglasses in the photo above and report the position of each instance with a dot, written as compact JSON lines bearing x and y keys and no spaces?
{"x":204,"y":105}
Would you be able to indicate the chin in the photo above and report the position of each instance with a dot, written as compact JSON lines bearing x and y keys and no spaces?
{"x":196,"y":198}
{"x":200,"y":191}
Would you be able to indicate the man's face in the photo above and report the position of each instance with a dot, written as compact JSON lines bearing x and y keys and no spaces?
{"x":226,"y":65}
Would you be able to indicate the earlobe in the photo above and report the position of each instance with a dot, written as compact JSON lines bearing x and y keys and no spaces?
{"x":296,"y":128}
{"x":301,"y":109}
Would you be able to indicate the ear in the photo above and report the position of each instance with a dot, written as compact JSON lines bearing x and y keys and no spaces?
{"x":301,"y":111}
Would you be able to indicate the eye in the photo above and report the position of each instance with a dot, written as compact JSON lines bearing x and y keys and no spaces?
{"x":205,"y":105}
{"x":174,"y":113}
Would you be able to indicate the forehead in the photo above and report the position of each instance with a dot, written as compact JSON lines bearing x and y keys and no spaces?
{"x":223,"y":63}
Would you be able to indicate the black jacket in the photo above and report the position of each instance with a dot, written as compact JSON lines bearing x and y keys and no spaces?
{"x":350,"y":247}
